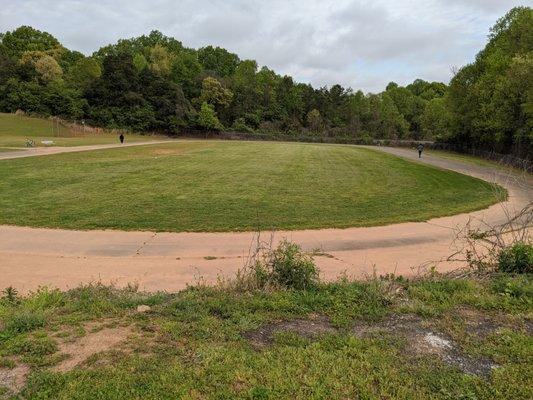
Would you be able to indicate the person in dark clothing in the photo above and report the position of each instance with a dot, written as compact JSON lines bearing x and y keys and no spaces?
{"x":121,"y":138}
{"x":420,"y":149}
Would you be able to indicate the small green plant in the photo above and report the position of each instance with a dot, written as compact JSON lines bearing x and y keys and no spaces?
{"x":37,"y":346}
{"x":286,"y":266}
{"x":44,"y":298}
{"x":10,"y":294}
{"x":25,"y":321}
{"x":7,"y":363}
{"x":292,"y":268}
{"x":517,"y":258}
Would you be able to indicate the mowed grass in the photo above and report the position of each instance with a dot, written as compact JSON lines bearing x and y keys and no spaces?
{"x":231,"y":186}
{"x":16,"y":129}
{"x":194,"y":344}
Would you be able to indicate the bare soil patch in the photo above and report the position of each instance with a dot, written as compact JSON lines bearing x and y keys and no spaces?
{"x":14,"y":379}
{"x":422,"y":339}
{"x":92,"y":343}
{"x":311,"y":328}
{"x":480,"y":324}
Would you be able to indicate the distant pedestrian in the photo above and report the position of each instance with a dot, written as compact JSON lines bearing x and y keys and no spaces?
{"x":420,"y":149}
{"x":121,"y":138}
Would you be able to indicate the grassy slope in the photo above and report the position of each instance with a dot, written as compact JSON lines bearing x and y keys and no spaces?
{"x":223,"y":186}
{"x":15,"y":130}
{"x":191,"y":344}
{"x":469,"y":159}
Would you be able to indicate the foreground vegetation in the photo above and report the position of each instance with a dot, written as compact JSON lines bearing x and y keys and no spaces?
{"x":207,"y":343}
{"x":154,"y":83}
{"x":225,"y":186}
{"x":15,"y":130}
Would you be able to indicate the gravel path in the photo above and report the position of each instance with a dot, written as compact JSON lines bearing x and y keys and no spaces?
{"x":43,"y":151}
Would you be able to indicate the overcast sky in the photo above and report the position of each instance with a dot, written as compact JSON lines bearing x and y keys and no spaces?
{"x":357,"y":43}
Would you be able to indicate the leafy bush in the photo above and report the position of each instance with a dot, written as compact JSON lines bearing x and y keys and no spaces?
{"x":518,"y":258}
{"x":287,"y":266}
{"x":292,"y":268}
{"x":240,"y":126}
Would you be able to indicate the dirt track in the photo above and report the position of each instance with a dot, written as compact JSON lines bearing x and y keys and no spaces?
{"x":43,"y":151}
{"x":30,"y":257}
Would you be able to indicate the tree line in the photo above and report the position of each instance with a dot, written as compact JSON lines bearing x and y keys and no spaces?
{"x":153,"y":83}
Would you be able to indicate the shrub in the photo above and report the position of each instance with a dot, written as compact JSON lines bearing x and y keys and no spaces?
{"x":287,"y":266}
{"x":240,"y":126}
{"x":517,"y":258}
{"x":292,"y":268}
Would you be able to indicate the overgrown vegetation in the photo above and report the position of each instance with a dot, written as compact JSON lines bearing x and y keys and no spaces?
{"x":203,"y":342}
{"x":517,"y":258}
{"x":283,"y":267}
{"x":506,"y":247}
{"x":154,"y":83}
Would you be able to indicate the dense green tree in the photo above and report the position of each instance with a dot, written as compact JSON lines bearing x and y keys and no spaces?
{"x":314,"y":120}
{"x":8,"y":68}
{"x":218,"y":60}
{"x":27,"y":38}
{"x":140,"y":62}
{"x":184,"y":70}
{"x":435,"y":121}
{"x":490,"y":99}
{"x":207,"y":118}
{"x":159,"y":60}
{"x":154,"y":83}
{"x":84,"y":72}
{"x":214,"y":94}
{"x":48,"y":69}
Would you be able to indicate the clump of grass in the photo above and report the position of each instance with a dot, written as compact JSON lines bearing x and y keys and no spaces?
{"x":38,"y":345}
{"x":7,"y":363}
{"x":96,"y":299}
{"x":44,"y":298}
{"x":517,"y":258}
{"x":10,"y":295}
{"x":24,"y":321}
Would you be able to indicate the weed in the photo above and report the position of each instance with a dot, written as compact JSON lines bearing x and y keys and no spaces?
{"x":10,"y":294}
{"x":38,"y":345}
{"x":25,"y":321}
{"x":517,"y":258}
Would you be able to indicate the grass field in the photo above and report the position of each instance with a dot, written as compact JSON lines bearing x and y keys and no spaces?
{"x":15,"y":130}
{"x":226,"y":186}
{"x":211,"y":343}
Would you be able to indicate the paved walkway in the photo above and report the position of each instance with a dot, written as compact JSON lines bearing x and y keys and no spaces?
{"x":32,"y":257}
{"x":43,"y":151}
